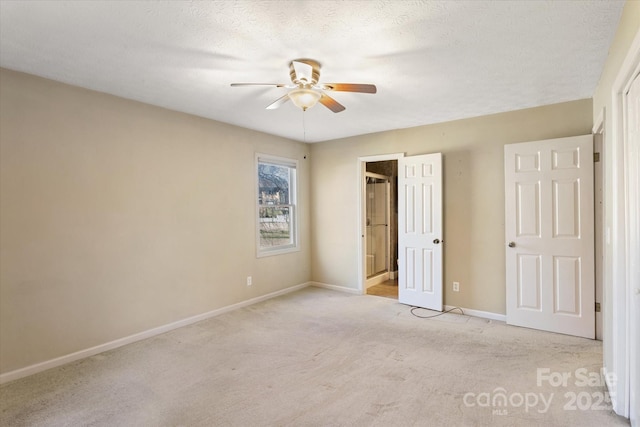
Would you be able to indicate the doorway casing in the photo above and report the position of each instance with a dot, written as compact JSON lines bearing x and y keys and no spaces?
{"x":620,"y":349}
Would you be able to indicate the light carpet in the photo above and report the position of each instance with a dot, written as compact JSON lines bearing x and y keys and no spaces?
{"x":323,"y":358}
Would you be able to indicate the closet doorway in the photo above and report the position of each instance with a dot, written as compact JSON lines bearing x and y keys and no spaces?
{"x":380,"y":228}
{"x":377,"y":239}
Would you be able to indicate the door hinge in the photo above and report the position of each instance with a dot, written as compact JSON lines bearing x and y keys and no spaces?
{"x":597,"y":307}
{"x":596,"y":157}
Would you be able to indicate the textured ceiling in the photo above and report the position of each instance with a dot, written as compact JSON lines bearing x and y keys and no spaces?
{"x":432,"y":61}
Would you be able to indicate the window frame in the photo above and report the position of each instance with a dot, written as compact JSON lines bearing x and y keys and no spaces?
{"x":292,"y":164}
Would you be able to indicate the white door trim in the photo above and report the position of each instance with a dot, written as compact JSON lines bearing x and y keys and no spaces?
{"x":599,"y":190}
{"x":632,"y":226}
{"x":362,"y":210}
{"x":620,"y":290}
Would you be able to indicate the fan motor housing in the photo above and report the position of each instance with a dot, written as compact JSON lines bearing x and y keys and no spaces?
{"x":315,"y":73}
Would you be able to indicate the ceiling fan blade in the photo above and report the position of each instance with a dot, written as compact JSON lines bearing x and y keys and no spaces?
{"x":304,"y":71}
{"x":278,"y":102}
{"x":350,"y":87}
{"x":331,"y":103}
{"x":258,"y":84}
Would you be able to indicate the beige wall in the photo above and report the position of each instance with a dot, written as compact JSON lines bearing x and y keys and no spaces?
{"x":117,"y":217}
{"x":628,"y":28}
{"x":473,"y":195}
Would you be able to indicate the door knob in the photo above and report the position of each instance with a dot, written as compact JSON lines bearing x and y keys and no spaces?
{"x":436,"y":241}
{"x":512,"y":244}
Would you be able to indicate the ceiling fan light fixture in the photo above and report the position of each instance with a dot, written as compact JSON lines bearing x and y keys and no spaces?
{"x":304,"y":98}
{"x":305,"y":75}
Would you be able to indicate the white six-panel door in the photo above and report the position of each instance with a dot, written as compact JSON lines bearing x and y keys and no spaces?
{"x":549,"y":235}
{"x":420,"y":231}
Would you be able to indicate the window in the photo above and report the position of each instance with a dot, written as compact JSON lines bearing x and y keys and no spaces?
{"x":276,"y":205}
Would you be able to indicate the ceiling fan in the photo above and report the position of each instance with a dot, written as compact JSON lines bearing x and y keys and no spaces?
{"x":307,"y":91}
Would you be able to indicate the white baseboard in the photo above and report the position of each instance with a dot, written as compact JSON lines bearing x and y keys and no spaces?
{"x":336,"y":288}
{"x":393,"y":275}
{"x":467,"y":311}
{"x":58,"y":361}
{"x":478,"y":313}
{"x":376,"y":280}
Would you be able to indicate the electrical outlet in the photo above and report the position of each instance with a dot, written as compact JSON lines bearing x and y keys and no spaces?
{"x":249,"y":281}
{"x":456,"y":286}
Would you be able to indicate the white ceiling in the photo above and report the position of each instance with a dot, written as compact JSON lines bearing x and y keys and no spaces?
{"x":432,"y":61}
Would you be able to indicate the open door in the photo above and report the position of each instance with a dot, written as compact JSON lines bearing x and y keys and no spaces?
{"x":550,"y":235}
{"x":420,"y":231}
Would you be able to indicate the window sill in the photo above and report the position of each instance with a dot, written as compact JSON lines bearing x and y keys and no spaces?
{"x":271,"y":252}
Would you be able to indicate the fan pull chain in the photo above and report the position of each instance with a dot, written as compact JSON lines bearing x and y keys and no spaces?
{"x":304,"y":128}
